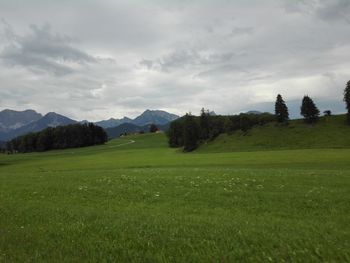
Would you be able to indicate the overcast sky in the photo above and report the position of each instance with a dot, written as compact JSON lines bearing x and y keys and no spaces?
{"x":100,"y":59}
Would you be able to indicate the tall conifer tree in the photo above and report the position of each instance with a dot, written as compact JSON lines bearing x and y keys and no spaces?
{"x":191,"y":133}
{"x":309,"y":110}
{"x":347,"y":99}
{"x":281,"y":110}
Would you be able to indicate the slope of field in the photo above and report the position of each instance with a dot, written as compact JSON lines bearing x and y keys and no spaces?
{"x":136,"y":200}
{"x":329,"y":132}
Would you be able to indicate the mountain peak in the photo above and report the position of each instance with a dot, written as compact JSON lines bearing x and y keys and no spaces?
{"x":158,"y":117}
{"x":28,"y":121}
{"x":11,"y":119}
{"x":49,"y":114}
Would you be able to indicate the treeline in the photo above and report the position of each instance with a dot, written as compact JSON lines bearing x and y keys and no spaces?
{"x":190,"y":131}
{"x":60,"y":137}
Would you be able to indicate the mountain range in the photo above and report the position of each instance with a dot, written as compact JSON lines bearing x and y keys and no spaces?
{"x":157,"y":117}
{"x":16,"y":123}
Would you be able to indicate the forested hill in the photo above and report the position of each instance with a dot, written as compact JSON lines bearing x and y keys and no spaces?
{"x":60,"y":137}
{"x":328,"y":132}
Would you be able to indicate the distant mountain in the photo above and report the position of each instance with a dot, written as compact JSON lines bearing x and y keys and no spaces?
{"x":254,"y":112}
{"x":11,"y":120}
{"x":212,"y":113}
{"x":49,"y":120}
{"x":123,"y":128}
{"x":113,"y":122}
{"x":132,"y":128}
{"x":157,"y":117}
{"x":15,"y":123}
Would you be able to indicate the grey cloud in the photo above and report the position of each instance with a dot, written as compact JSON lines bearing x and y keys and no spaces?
{"x":149,"y":64}
{"x":185,"y":58}
{"x":299,"y":6}
{"x":334,"y":10}
{"x":179,"y":59}
{"x":43,"y":51}
{"x":174,"y":60}
{"x":237,"y":31}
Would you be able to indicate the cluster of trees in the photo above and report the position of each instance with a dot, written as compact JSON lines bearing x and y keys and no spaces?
{"x":308,"y":110}
{"x":61,"y":137}
{"x":189,"y":131}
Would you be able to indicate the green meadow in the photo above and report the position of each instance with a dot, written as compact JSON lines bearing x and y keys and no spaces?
{"x":137,"y":200}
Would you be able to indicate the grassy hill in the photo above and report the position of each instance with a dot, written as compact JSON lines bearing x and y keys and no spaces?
{"x":329,"y":132}
{"x":137,"y":200}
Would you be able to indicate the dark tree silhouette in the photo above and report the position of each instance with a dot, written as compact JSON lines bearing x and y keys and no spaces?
{"x":191,"y":133}
{"x":309,"y":110}
{"x":186,"y":131}
{"x":61,"y":137}
{"x":347,"y":99}
{"x":281,"y":110}
{"x":204,"y":124}
{"x":153,"y":128}
{"x":175,"y":133}
{"x":327,"y":113}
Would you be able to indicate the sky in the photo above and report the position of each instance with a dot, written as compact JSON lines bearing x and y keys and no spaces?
{"x":99,"y":59}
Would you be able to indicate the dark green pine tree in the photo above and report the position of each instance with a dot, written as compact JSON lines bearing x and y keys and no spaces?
{"x":281,"y":110}
{"x":347,"y":99}
{"x":190,"y":133}
{"x":204,"y":124}
{"x":309,"y":110}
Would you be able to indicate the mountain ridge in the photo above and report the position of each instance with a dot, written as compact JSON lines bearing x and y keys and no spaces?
{"x":31,"y":121}
{"x":157,"y":117}
{"x":50,"y":119}
{"x":11,"y":119}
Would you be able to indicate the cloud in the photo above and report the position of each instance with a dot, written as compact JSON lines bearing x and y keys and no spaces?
{"x":101,"y":59}
{"x":336,"y":10}
{"x":238,"y":31}
{"x":43,"y":51}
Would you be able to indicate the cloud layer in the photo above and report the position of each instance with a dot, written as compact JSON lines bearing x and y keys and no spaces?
{"x":106,"y":59}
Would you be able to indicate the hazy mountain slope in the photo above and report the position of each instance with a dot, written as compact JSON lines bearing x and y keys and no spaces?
{"x":157,"y":117}
{"x":49,"y":120}
{"x":113,"y":122}
{"x":123,"y":128}
{"x":154,"y":116}
{"x":132,"y":128}
{"x":10,"y":119}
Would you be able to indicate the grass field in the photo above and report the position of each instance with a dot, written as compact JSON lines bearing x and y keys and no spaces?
{"x":136,"y":200}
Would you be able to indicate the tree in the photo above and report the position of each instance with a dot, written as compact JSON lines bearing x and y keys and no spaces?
{"x":204,"y":124}
{"x":347,"y":99}
{"x":190,"y":133}
{"x":281,"y":110}
{"x":309,"y":110}
{"x":327,"y":113}
{"x":245,"y":122}
{"x":175,"y":133}
{"x":153,"y":128}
